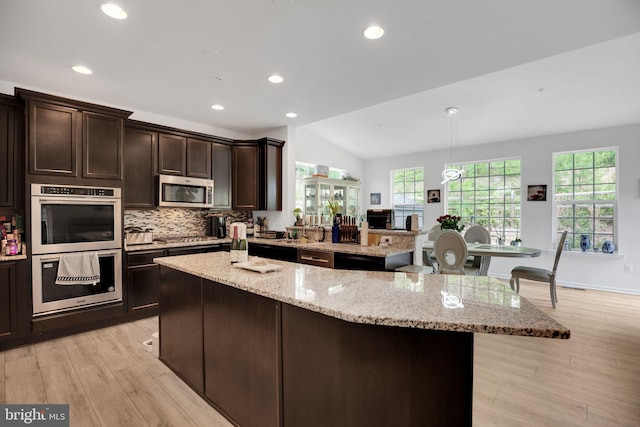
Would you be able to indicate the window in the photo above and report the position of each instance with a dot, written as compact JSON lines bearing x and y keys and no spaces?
{"x":586,"y":195}
{"x":408,"y":195}
{"x":488,"y":194}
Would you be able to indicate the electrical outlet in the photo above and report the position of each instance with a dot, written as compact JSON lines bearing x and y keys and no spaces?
{"x":628,"y":268}
{"x":385,"y":239}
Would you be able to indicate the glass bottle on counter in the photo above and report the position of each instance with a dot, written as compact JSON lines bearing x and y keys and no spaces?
{"x":243,"y":252}
{"x":235,"y":246}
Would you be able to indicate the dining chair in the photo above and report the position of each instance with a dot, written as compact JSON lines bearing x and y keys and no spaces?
{"x":539,"y":274}
{"x":451,"y":252}
{"x":476,"y":234}
{"x":427,"y":255}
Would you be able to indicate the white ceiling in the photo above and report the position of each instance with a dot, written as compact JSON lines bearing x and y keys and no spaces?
{"x":490,"y":58}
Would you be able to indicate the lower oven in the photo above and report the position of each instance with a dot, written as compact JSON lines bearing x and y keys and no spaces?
{"x":49,"y":297}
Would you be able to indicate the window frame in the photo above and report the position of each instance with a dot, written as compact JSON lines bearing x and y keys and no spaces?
{"x":399,"y":220}
{"x":498,"y":232}
{"x":571,"y":237}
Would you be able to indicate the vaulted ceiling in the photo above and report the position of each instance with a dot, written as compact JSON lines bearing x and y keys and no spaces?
{"x":513,"y":68}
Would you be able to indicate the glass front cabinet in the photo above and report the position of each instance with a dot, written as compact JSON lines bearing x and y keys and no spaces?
{"x":318,"y":191}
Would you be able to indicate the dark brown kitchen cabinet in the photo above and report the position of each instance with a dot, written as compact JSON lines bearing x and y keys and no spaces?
{"x":242,"y":376}
{"x":257,"y":174}
{"x":143,"y":280}
{"x":198,"y":158}
{"x":181,"y":328}
{"x":140,"y":167}
{"x":172,"y":154}
{"x":221,"y":174}
{"x":245,"y":176}
{"x":73,"y":139}
{"x":11,"y":153}
{"x":15,"y":301}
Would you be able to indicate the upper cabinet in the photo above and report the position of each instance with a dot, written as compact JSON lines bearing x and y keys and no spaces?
{"x":11,"y":153}
{"x":257,"y":174}
{"x":73,"y":139}
{"x":150,"y":150}
{"x":221,"y":174}
{"x":140,"y":167}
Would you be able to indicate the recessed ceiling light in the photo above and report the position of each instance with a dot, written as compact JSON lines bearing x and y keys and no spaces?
{"x":373,"y":32}
{"x":274,"y":78}
{"x":81,"y":69}
{"x":114,"y":11}
{"x":291,"y":115}
{"x":217,"y":107}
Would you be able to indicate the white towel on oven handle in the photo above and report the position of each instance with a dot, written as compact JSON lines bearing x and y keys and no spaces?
{"x":78,"y":269}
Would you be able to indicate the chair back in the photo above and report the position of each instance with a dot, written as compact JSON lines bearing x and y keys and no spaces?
{"x":451,"y":252}
{"x":433,"y":233}
{"x":477,"y":234}
{"x":559,"y":252}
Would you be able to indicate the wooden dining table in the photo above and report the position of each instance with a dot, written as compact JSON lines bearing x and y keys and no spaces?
{"x":487,"y":250}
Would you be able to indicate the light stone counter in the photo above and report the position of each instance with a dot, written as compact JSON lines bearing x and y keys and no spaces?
{"x":409,"y":300}
{"x":345,"y":248}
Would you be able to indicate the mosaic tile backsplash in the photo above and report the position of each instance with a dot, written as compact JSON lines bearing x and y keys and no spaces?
{"x":176,"y":222}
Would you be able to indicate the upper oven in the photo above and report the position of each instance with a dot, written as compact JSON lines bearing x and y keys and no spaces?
{"x":75,"y":218}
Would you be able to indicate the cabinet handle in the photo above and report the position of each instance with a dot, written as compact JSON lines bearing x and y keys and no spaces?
{"x":313,"y":258}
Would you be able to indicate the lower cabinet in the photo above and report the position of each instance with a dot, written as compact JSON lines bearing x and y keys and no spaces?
{"x":282,"y":253}
{"x":15,"y":304}
{"x":242,"y":376}
{"x":181,"y":325}
{"x":143,"y":280}
{"x":371,"y":263}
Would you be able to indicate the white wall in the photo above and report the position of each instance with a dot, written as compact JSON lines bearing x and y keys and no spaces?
{"x":589,"y":270}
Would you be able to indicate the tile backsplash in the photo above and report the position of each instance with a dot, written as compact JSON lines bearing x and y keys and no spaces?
{"x":177,"y":222}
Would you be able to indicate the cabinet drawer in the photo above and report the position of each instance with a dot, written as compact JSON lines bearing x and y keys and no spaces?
{"x":143,"y":257}
{"x":321,"y":259}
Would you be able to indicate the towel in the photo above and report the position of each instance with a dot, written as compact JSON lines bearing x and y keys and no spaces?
{"x":78,"y":269}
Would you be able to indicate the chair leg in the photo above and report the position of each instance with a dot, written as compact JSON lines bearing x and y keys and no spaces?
{"x":517,"y":285}
{"x":511,"y":283}
{"x":552,"y":291}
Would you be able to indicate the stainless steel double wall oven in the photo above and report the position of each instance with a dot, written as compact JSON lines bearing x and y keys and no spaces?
{"x":75,"y":219}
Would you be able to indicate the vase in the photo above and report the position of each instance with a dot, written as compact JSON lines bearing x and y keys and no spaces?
{"x":585,"y":242}
{"x":608,"y":247}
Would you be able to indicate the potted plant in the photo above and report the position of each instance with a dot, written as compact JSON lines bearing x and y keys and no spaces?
{"x":334,"y":207}
{"x":450,"y":222}
{"x":297,"y":212}
{"x":516,"y":242}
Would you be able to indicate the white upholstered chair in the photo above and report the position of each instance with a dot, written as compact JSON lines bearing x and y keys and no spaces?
{"x":476,"y":234}
{"x":540,"y":274}
{"x":451,"y":252}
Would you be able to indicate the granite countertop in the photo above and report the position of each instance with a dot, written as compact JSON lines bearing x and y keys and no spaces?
{"x":412,"y":300}
{"x":12,"y":257}
{"x":348,"y":248}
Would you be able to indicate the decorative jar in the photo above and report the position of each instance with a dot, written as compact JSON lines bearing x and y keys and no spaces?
{"x":585,"y":242}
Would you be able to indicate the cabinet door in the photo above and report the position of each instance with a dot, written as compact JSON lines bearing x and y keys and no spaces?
{"x":241,"y":354}
{"x":102,"y":146}
{"x":198,"y":158}
{"x":143,"y":286}
{"x":221,"y":173}
{"x":7,"y":152}
{"x":140,"y":160}
{"x":245,"y":177}
{"x":172,"y":154}
{"x":8,"y":300}
{"x":54,"y":134}
{"x":273,"y":175}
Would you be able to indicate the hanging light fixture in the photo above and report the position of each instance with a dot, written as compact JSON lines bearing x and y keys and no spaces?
{"x":451,"y":174}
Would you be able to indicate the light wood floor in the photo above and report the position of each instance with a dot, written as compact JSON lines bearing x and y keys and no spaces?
{"x":592,"y":379}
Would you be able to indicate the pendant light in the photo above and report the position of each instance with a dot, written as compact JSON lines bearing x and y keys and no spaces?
{"x":451,"y":174}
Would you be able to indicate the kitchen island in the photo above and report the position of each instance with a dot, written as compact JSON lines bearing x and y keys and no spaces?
{"x":309,"y":346}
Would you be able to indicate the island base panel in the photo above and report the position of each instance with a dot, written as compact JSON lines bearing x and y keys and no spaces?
{"x":349,"y":374}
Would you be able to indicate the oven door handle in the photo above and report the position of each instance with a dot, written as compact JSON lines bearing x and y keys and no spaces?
{"x":84,"y":201}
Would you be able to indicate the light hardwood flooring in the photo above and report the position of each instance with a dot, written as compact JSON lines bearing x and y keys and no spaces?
{"x":592,"y":379}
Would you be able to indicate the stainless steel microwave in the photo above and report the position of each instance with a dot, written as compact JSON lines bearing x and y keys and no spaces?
{"x":184,"y":192}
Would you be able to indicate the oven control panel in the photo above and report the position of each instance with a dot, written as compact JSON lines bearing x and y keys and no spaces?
{"x":77,"y":191}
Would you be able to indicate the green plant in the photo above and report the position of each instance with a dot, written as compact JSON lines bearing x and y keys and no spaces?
{"x":334,"y":207}
{"x":297,"y":212}
{"x":450,"y":222}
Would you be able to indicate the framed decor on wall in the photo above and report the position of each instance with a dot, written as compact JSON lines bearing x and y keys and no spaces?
{"x":433,"y":196}
{"x":375,"y":199}
{"x":536,"y":193}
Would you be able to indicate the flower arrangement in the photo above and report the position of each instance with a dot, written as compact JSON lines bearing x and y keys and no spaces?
{"x":450,"y":222}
